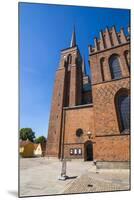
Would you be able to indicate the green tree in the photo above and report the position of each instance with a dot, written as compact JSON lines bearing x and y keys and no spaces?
{"x":40,"y":139}
{"x":27,"y":133}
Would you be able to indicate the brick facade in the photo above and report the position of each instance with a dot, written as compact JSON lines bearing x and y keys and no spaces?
{"x":84,"y":120}
{"x":112,"y":148}
{"x":76,"y":118}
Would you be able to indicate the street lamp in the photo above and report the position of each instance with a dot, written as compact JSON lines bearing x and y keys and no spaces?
{"x":89,"y":134}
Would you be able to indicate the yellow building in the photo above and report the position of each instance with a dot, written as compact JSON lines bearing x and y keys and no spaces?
{"x":29,"y":149}
{"x":37,"y":150}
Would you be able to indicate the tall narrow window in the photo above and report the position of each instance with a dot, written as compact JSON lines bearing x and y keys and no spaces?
{"x":123,"y":111}
{"x":115,"y":67}
{"x":69,"y":59}
{"x":127,"y":58}
{"x":111,"y":38}
{"x":104,"y":40}
{"x":98,"y":44}
{"x":102,"y":68}
{"x":119,"y":38}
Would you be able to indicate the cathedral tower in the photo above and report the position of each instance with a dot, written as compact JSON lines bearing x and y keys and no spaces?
{"x":90,"y":119}
{"x":67,"y":93}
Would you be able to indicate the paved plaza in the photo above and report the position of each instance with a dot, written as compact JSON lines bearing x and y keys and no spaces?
{"x":39,"y":176}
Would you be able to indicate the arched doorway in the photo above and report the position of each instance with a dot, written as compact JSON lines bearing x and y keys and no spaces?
{"x":89,"y":151}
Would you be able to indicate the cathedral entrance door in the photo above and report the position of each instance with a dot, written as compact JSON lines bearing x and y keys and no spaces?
{"x":89,"y":151}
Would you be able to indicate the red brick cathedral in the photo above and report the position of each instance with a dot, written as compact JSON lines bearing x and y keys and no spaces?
{"x":90,"y":119}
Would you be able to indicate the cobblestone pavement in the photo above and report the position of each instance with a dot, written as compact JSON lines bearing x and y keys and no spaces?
{"x":105,"y":180}
{"x":39,"y":176}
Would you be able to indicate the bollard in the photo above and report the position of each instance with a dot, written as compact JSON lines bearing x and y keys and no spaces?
{"x":63,"y":175}
{"x":95,"y":163}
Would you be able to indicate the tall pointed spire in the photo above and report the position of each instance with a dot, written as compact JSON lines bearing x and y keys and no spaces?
{"x":83,"y":66}
{"x":73,"y":39}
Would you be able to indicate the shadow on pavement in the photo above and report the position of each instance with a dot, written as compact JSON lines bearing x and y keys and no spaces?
{"x":71,"y":177}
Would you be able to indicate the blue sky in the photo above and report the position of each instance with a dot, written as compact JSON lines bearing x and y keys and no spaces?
{"x":44,"y":30}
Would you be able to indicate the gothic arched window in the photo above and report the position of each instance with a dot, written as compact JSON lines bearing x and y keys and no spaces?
{"x":115,"y":67}
{"x":102,"y":68}
{"x":123,"y":110}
